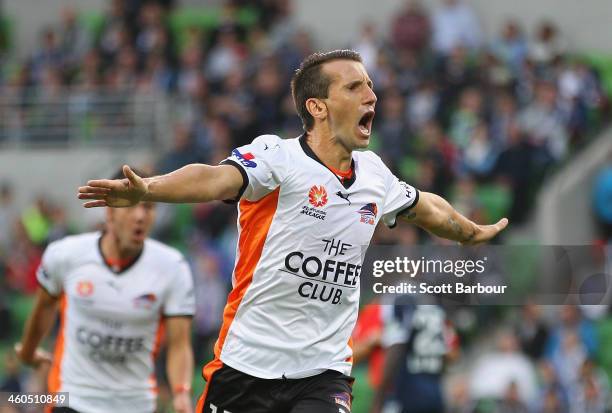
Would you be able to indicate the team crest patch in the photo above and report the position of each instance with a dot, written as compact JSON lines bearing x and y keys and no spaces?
{"x":342,"y":399}
{"x":368,"y":213}
{"x":246,"y":159}
{"x":145,"y":301}
{"x":317,"y":196}
{"x":85,"y":288}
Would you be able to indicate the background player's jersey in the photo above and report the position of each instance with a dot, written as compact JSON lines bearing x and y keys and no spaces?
{"x":303,"y":233}
{"x":428,"y":339}
{"x":111,"y":322}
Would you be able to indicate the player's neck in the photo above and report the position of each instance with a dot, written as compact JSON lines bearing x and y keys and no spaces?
{"x":113,"y":252}
{"x":329,"y":150}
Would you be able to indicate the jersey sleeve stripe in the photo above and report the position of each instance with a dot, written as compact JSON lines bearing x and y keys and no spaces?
{"x":245,"y":180}
{"x":255,"y":221}
{"x":54,"y":378}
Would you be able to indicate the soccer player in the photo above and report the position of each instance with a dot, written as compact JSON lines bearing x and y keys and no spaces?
{"x":307,"y":211}
{"x":419,"y":341}
{"x":117,"y":292}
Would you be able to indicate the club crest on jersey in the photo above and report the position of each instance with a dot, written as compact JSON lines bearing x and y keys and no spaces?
{"x":342,"y":399}
{"x":317,"y":196}
{"x":145,"y":301}
{"x":84,"y":288}
{"x":368,"y":213}
{"x":245,"y":159}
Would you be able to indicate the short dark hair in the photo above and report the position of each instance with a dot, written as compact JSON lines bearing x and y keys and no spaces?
{"x":309,"y":81}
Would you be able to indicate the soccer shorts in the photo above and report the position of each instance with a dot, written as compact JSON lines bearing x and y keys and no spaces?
{"x":230,"y":391}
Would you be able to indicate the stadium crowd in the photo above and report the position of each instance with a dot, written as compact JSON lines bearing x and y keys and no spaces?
{"x":478,"y":120}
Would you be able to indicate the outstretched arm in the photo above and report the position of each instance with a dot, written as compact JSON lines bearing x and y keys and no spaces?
{"x":436,"y":215}
{"x":191,"y":183}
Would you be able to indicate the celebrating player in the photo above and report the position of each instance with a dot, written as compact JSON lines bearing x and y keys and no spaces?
{"x":117,"y":291}
{"x":307,"y":211}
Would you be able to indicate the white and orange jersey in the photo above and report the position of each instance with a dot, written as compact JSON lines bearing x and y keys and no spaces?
{"x":303,"y":233}
{"x":111,"y":322}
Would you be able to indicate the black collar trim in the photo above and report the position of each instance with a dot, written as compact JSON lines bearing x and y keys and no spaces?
{"x":346,"y":183}
{"x":127,"y":267}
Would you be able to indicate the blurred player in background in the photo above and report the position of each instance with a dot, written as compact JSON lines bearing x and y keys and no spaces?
{"x":307,"y":211}
{"x":117,"y":292}
{"x":419,"y":341}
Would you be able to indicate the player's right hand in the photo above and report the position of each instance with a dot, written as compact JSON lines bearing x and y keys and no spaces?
{"x":116,"y":193}
{"x":36,"y":360}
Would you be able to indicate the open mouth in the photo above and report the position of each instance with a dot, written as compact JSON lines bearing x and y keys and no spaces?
{"x":365,"y":123}
{"x":139,"y":233}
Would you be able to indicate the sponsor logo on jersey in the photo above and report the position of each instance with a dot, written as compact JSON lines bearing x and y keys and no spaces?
{"x":368,"y":213}
{"x":84,"y":288}
{"x":317,"y":196}
{"x":406,"y":188}
{"x":145,"y":301}
{"x":245,"y":159}
{"x":108,"y":348}
{"x":342,"y":399}
{"x":344,"y":196}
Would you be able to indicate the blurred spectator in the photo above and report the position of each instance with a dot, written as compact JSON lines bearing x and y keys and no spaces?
{"x":115,"y":32}
{"x":511,"y":46}
{"x":466,"y":118}
{"x":503,"y":115}
{"x":496,"y":371}
{"x":392,"y":129}
{"x":367,"y":45}
{"x":12,"y":381}
{"x":49,"y":55}
{"x":153,"y":36}
{"x":183,"y":153}
{"x":8,"y":215}
{"x":571,"y":320}
{"x":531,"y":331}
{"x":411,"y":29}
{"x":225,"y":55}
{"x":422,"y":105}
{"x":602,"y":200}
{"x":553,"y":397}
{"x":547,"y":44}
{"x":591,"y":392}
{"x":480,"y":153}
{"x":74,"y":39}
{"x":455,"y":24}
{"x":543,"y":123}
{"x":211,"y":291}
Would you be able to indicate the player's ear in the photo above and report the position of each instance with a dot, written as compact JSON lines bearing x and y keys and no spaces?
{"x":317,"y":108}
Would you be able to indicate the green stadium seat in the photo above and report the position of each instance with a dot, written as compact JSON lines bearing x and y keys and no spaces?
{"x":603,"y":63}
{"x":604,"y":353}
{"x":496,"y":200}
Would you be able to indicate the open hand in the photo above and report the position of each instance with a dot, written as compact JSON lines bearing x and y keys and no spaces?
{"x":115,"y":193}
{"x":484,"y":233}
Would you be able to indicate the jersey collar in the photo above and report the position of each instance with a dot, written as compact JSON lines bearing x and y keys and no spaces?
{"x":345,"y":182}
{"x":114,"y":269}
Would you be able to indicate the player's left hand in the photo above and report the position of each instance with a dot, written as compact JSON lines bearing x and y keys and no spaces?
{"x":38,"y":359}
{"x":182,"y":403}
{"x":484,"y":233}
